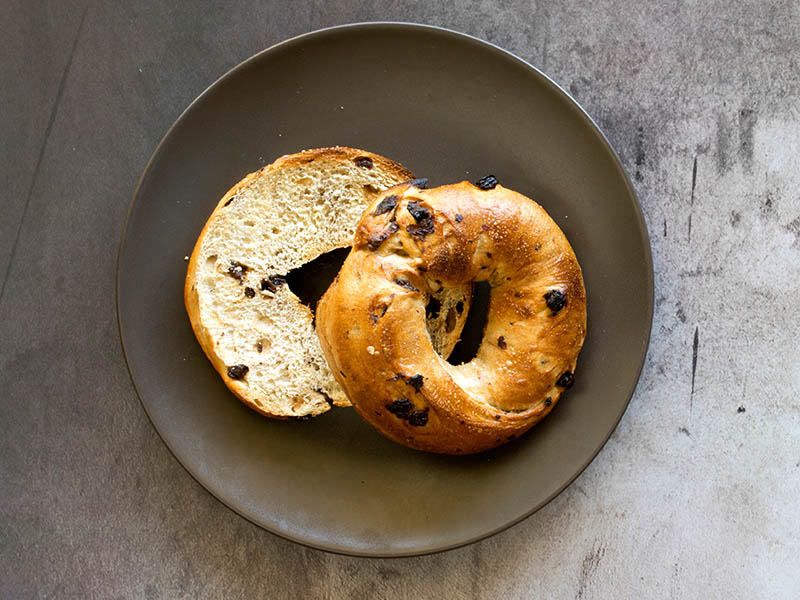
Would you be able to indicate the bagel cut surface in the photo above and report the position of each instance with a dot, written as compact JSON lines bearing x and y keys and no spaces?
{"x":409,"y":244}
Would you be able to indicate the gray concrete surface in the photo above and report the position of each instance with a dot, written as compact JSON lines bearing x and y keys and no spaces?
{"x":696,"y":495}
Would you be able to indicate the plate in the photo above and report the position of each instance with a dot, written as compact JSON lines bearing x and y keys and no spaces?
{"x":449,"y":107}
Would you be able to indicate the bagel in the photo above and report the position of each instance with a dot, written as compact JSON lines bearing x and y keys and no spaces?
{"x":371,"y":321}
{"x":255,"y":330}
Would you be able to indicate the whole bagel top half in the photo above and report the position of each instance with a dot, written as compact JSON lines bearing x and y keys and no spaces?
{"x":371,"y":321}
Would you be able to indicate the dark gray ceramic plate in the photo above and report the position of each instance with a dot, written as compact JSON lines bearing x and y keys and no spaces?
{"x":449,"y":107}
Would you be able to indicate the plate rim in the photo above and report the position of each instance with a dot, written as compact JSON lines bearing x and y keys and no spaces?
{"x":639,"y":214}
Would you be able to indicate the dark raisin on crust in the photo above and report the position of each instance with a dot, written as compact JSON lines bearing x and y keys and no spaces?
{"x":237,"y":270}
{"x":566,"y":380}
{"x":501,"y":343}
{"x":237,"y":371}
{"x":517,"y":294}
{"x":485,"y":227}
{"x":249,"y":292}
{"x":342,"y":374}
{"x":363,"y":161}
{"x":385,"y":205}
{"x":555,"y":300}
{"x":418,"y":418}
{"x":419,"y":212}
{"x":420,"y":229}
{"x":405,"y":284}
{"x":400,"y":408}
{"x":497,"y":417}
{"x":487,"y":183}
{"x":548,"y":401}
{"x":420,"y":183}
{"x":459,"y":218}
{"x":415,"y":381}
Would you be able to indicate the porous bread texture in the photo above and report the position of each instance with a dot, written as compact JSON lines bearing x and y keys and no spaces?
{"x":275,"y":220}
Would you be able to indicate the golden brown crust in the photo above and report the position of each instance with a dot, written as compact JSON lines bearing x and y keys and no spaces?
{"x":455,"y":234}
{"x":191,"y":295}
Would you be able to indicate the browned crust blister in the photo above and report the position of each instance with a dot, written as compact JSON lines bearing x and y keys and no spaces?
{"x":455,"y":234}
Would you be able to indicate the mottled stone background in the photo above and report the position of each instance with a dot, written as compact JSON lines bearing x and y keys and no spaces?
{"x":697,"y":494}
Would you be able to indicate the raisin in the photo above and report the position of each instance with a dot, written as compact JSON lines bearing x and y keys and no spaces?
{"x":555,"y":300}
{"x":459,"y":218}
{"x":487,"y":183}
{"x":418,"y":418}
{"x":400,"y":408}
{"x":422,"y":228}
{"x":415,"y":381}
{"x":231,"y":199}
{"x":501,"y":343}
{"x":272,"y":282}
{"x":249,"y":292}
{"x":420,"y":184}
{"x":518,"y":294}
{"x":548,"y":401}
{"x":419,"y":212}
{"x":363,"y":161}
{"x":238,"y":371}
{"x":741,"y":409}
{"x":259,"y":347}
{"x":385,"y":205}
{"x":566,"y":380}
{"x":460,"y":307}
{"x":237,"y":270}
{"x":497,"y":417}
{"x":405,"y":284}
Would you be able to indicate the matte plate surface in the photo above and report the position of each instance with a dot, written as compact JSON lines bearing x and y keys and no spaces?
{"x":449,"y":107}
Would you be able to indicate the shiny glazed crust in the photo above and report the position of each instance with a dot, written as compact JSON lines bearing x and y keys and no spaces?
{"x":371,"y":321}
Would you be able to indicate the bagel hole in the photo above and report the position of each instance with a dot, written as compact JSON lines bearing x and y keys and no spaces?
{"x":309,"y":281}
{"x":471,"y":337}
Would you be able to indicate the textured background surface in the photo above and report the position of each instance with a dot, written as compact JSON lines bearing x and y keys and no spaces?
{"x":697,"y":494}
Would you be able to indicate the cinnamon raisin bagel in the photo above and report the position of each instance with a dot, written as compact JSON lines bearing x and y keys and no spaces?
{"x":409,"y":243}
